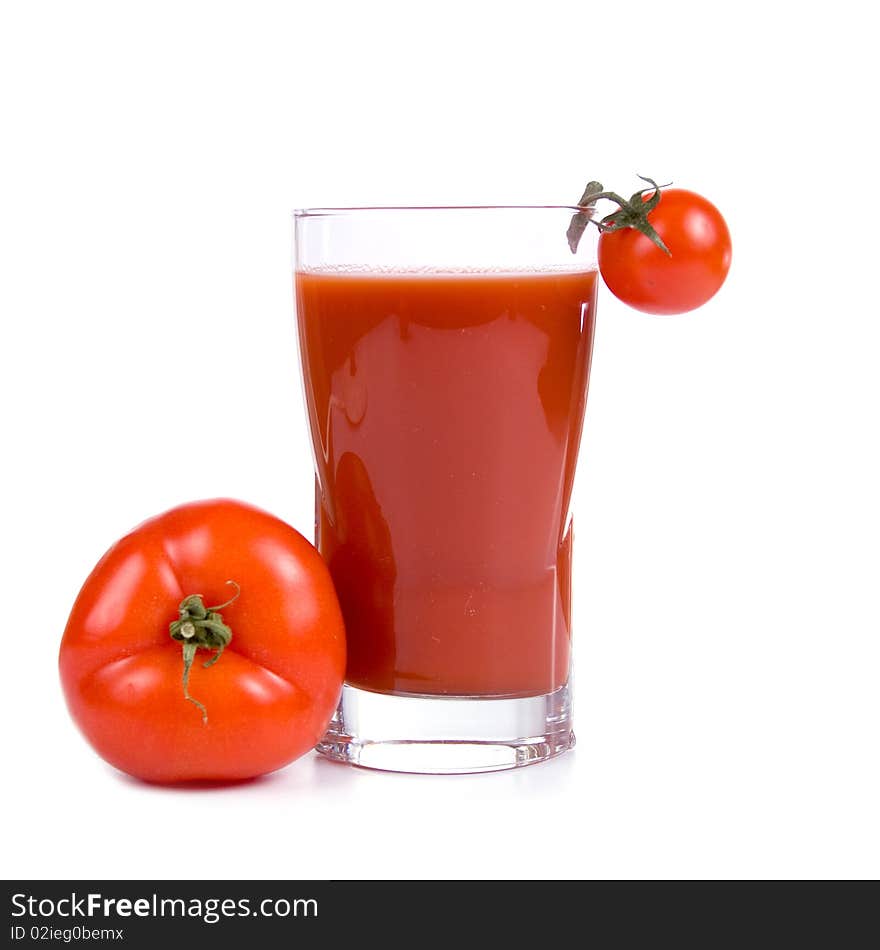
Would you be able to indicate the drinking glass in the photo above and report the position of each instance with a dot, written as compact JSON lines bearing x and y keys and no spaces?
{"x":445,"y":356}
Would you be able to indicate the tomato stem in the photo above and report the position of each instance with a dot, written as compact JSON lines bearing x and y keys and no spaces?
{"x":200,"y":627}
{"x":631,"y":213}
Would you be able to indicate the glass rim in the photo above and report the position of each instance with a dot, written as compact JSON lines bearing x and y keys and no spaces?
{"x":319,"y":212}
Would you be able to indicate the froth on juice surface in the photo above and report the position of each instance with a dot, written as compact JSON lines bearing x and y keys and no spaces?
{"x":446,"y":409}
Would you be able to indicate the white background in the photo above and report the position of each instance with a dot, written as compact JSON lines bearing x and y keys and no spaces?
{"x":727,"y":658}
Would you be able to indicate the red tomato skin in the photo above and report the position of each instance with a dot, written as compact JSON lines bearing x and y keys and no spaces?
{"x":641,"y":275}
{"x":269,"y":697}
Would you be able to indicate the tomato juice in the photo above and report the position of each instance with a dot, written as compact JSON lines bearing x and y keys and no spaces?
{"x":446,"y":412}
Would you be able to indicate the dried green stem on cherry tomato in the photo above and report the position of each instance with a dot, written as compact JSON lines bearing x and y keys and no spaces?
{"x":200,"y":627}
{"x":630,"y":213}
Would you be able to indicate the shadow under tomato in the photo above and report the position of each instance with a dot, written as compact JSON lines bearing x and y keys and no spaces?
{"x":199,"y":785}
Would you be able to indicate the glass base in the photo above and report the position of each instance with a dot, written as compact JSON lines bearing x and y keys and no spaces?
{"x":447,"y":734}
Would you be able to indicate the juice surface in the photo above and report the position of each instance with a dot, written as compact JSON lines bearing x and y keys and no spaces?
{"x":446,"y":411}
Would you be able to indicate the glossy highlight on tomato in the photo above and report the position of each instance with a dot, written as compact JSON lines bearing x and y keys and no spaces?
{"x":267,"y":699}
{"x":644,"y":277}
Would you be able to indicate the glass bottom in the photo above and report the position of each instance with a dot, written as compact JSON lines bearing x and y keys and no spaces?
{"x":447,"y":734}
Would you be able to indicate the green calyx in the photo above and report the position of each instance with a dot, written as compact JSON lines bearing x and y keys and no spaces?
{"x":200,"y":627}
{"x":630,"y":213}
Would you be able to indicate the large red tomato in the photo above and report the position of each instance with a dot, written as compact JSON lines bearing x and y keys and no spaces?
{"x":270,"y":693}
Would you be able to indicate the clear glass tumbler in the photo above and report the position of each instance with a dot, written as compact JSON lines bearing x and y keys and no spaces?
{"x":446,"y":354}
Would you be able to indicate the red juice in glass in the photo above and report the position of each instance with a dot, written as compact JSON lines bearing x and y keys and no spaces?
{"x":446,"y":406}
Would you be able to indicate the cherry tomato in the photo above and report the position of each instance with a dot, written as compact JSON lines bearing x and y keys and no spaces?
{"x":644,"y":277}
{"x":271,"y":692}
